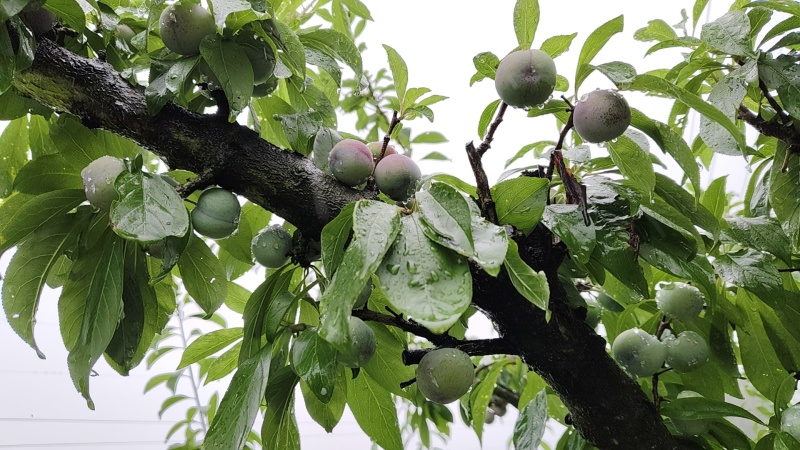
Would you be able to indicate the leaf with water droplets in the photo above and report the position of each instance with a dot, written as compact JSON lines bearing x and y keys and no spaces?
{"x":531,"y":284}
{"x":203,"y":275}
{"x":375,"y":227}
{"x":27,"y":272}
{"x":429,"y":283}
{"x":148,"y":210}
{"x":447,"y":213}
{"x":520,"y":201}
{"x":314,"y":361}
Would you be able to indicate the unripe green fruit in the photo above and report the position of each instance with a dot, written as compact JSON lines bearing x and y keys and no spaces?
{"x":790,"y":421}
{"x":363,"y":296}
{"x":98,"y":181}
{"x":680,"y":301}
{"x":397,"y":177}
{"x":444,"y":375}
{"x":639,"y":352}
{"x":216,"y":214}
{"x":183,"y":26}
{"x":525,"y":78}
{"x":601,"y":116}
{"x":376,"y":147}
{"x":125,"y":33}
{"x":271,"y":246}
{"x":694,"y":427}
{"x":686,"y":352}
{"x":156,"y":249}
{"x":351,"y":162}
{"x":488,"y":417}
{"x":364,"y":344}
{"x":265,"y":88}
{"x":261,"y":58}
{"x":39,"y":19}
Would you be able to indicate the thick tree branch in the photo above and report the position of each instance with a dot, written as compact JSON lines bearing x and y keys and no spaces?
{"x":606,"y":406}
{"x":281,"y":181}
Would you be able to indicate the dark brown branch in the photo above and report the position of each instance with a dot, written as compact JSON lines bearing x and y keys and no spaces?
{"x":478,"y":347}
{"x":498,"y":119}
{"x":576,"y":192}
{"x":663,"y":325}
{"x":786,"y":133}
{"x":392,"y":125}
{"x":485,"y":200}
{"x":397,"y":321}
{"x":791,"y":269}
{"x":782,"y":115}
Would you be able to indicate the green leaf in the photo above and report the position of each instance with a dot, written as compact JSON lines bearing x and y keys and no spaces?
{"x":335,"y":44}
{"x":257,"y":309}
{"x":375,"y":227}
{"x":239,"y":407}
{"x":142,"y":314}
{"x":784,"y":194}
{"x":209,"y":344}
{"x":429,"y":137}
{"x":654,"y":84}
{"x":33,"y":214}
{"x":520,"y":201}
{"x":96,"y":278}
{"x":328,"y":414}
{"x":486,"y":64}
{"x":69,"y":11}
{"x":656,"y":30}
{"x":374,"y":410}
{"x":335,"y":236}
{"x":300,"y":129}
{"x":229,"y":63}
{"x":149,"y":209}
{"x":11,"y":8}
{"x":314,"y":361}
{"x":27,"y":271}
{"x":480,"y":395}
{"x":729,"y":34}
{"x":753,"y":271}
{"x":594,"y":43}
{"x":7,"y":58}
{"x":224,"y":8}
{"x":566,"y":221}
{"x":633,"y":162}
{"x":429,"y":283}
{"x":621,"y":73}
{"x":556,"y":45}
{"x":293,"y":55}
{"x":526,"y":20}
{"x":697,"y":10}
{"x":670,"y":142}
{"x":761,"y":233}
{"x":714,"y":198}
{"x":486,"y":117}
{"x":13,"y":153}
{"x":696,"y":408}
{"x":726,"y":95}
{"x":386,"y":367}
{"x":279,"y":429}
{"x":447,"y":212}
{"x":531,"y":423}
{"x":399,"y":72}
{"x":223,"y":364}
{"x":47,"y":173}
{"x":531,"y":284}
{"x":203,"y":275}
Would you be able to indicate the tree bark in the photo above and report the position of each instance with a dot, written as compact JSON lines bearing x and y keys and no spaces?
{"x":606,"y":406}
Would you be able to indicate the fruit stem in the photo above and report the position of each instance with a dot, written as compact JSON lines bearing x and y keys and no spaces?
{"x":392,"y":125}
{"x":199,"y":182}
{"x":663,"y":325}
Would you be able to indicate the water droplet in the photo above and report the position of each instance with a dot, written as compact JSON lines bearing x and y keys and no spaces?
{"x":393,"y":269}
{"x":15,"y":316}
{"x":412,"y":267}
{"x":434,"y":276}
{"x":323,"y":391}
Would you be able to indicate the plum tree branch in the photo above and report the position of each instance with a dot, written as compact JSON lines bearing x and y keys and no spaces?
{"x":606,"y":406}
{"x":498,"y":119}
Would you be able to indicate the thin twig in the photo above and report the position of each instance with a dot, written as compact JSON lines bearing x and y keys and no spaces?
{"x":791,"y":269}
{"x":395,"y":121}
{"x":414,"y":328}
{"x":498,"y":119}
{"x":783,"y":115}
{"x":478,"y":347}
{"x":576,"y":192}
{"x":485,"y":200}
{"x":197,"y":183}
{"x":663,"y":325}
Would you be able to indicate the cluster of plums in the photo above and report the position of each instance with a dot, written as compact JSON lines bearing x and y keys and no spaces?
{"x":641,"y":354}
{"x":527,"y":78}
{"x":352,"y":162}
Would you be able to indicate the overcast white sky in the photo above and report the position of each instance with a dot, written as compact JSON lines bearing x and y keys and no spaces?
{"x":39,"y":408}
